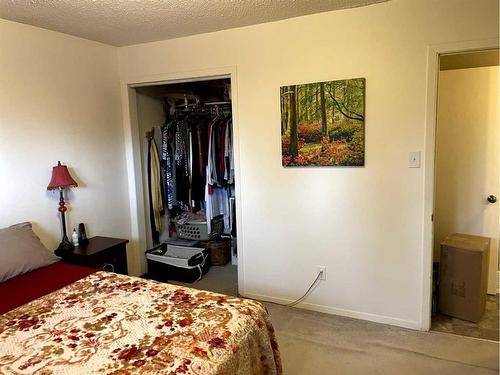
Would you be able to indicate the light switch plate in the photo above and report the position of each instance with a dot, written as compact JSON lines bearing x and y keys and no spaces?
{"x":414,"y":159}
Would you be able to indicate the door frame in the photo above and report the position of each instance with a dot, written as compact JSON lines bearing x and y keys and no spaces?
{"x":433,"y":53}
{"x":132,"y":139}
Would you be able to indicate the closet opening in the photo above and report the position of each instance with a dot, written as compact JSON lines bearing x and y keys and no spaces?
{"x":185,"y":131}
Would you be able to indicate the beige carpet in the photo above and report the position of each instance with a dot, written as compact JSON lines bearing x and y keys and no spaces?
{"x":314,"y":343}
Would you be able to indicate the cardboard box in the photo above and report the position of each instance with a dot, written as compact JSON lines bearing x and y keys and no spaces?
{"x":463,"y":276}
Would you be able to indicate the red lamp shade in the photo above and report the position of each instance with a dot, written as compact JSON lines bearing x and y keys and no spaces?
{"x":61,"y":178}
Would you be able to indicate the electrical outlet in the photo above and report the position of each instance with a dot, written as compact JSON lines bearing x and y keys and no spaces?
{"x":321,"y":269}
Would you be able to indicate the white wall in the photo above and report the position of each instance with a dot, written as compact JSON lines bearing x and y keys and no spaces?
{"x":364,"y":224}
{"x":60,"y":100}
{"x":467,"y":159}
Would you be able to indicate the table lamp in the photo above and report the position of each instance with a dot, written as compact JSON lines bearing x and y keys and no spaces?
{"x":61,"y":179}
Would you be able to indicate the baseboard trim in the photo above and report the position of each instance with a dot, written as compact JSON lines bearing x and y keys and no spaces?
{"x":342,"y":312}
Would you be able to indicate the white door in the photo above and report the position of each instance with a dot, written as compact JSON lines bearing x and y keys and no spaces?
{"x":467,"y":158}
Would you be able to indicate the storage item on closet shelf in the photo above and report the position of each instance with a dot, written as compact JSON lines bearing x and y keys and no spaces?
{"x":198,"y":230}
{"x":179,"y":263}
{"x":219,"y":250}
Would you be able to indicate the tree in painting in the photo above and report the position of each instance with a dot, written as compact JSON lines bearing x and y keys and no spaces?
{"x":323,"y":123}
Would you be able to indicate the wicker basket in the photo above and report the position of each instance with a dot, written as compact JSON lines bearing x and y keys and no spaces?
{"x":197,"y":230}
{"x":220,"y":252}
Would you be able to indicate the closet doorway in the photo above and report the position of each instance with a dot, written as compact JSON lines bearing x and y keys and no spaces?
{"x":184,"y":146}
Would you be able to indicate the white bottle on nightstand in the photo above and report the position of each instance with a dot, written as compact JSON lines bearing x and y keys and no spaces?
{"x":74,"y":238}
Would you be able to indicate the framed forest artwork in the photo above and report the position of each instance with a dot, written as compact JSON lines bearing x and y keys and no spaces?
{"x":323,"y":124}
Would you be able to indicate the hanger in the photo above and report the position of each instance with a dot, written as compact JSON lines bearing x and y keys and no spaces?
{"x":150,"y":134}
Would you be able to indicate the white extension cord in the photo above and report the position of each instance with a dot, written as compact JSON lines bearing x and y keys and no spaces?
{"x":304,"y":296}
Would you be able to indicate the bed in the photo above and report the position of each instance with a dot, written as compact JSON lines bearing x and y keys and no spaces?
{"x":37,"y":283}
{"x":67,"y":319}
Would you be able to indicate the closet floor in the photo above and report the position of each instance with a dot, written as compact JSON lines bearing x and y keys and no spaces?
{"x":218,"y":279}
{"x":486,"y":328}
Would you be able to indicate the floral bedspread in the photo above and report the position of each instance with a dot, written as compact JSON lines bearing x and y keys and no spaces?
{"x":114,"y":324}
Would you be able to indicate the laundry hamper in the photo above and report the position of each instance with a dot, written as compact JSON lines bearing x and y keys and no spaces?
{"x":219,"y":250}
{"x":198,"y":230}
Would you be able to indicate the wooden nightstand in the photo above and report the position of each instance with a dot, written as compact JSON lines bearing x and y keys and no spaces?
{"x":104,"y":253}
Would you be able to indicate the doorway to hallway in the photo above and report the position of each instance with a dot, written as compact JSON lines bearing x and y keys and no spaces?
{"x":466,"y":186}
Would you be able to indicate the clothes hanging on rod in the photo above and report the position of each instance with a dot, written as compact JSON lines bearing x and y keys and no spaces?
{"x":199,"y":159}
{"x":182,"y":161}
{"x":167,"y":169}
{"x":154,"y":188}
{"x":193,"y":171}
{"x":197,"y":166}
{"x":220,"y":171}
{"x":220,"y":180}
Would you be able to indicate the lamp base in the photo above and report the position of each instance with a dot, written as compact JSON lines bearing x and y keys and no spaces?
{"x":64,"y":247}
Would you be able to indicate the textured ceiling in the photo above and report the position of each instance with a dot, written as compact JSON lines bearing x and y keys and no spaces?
{"x":125,"y":22}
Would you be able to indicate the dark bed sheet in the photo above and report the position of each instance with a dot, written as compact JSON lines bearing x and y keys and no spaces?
{"x":32,"y":285}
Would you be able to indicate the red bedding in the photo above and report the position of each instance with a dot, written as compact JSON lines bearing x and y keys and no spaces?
{"x":32,"y":285}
